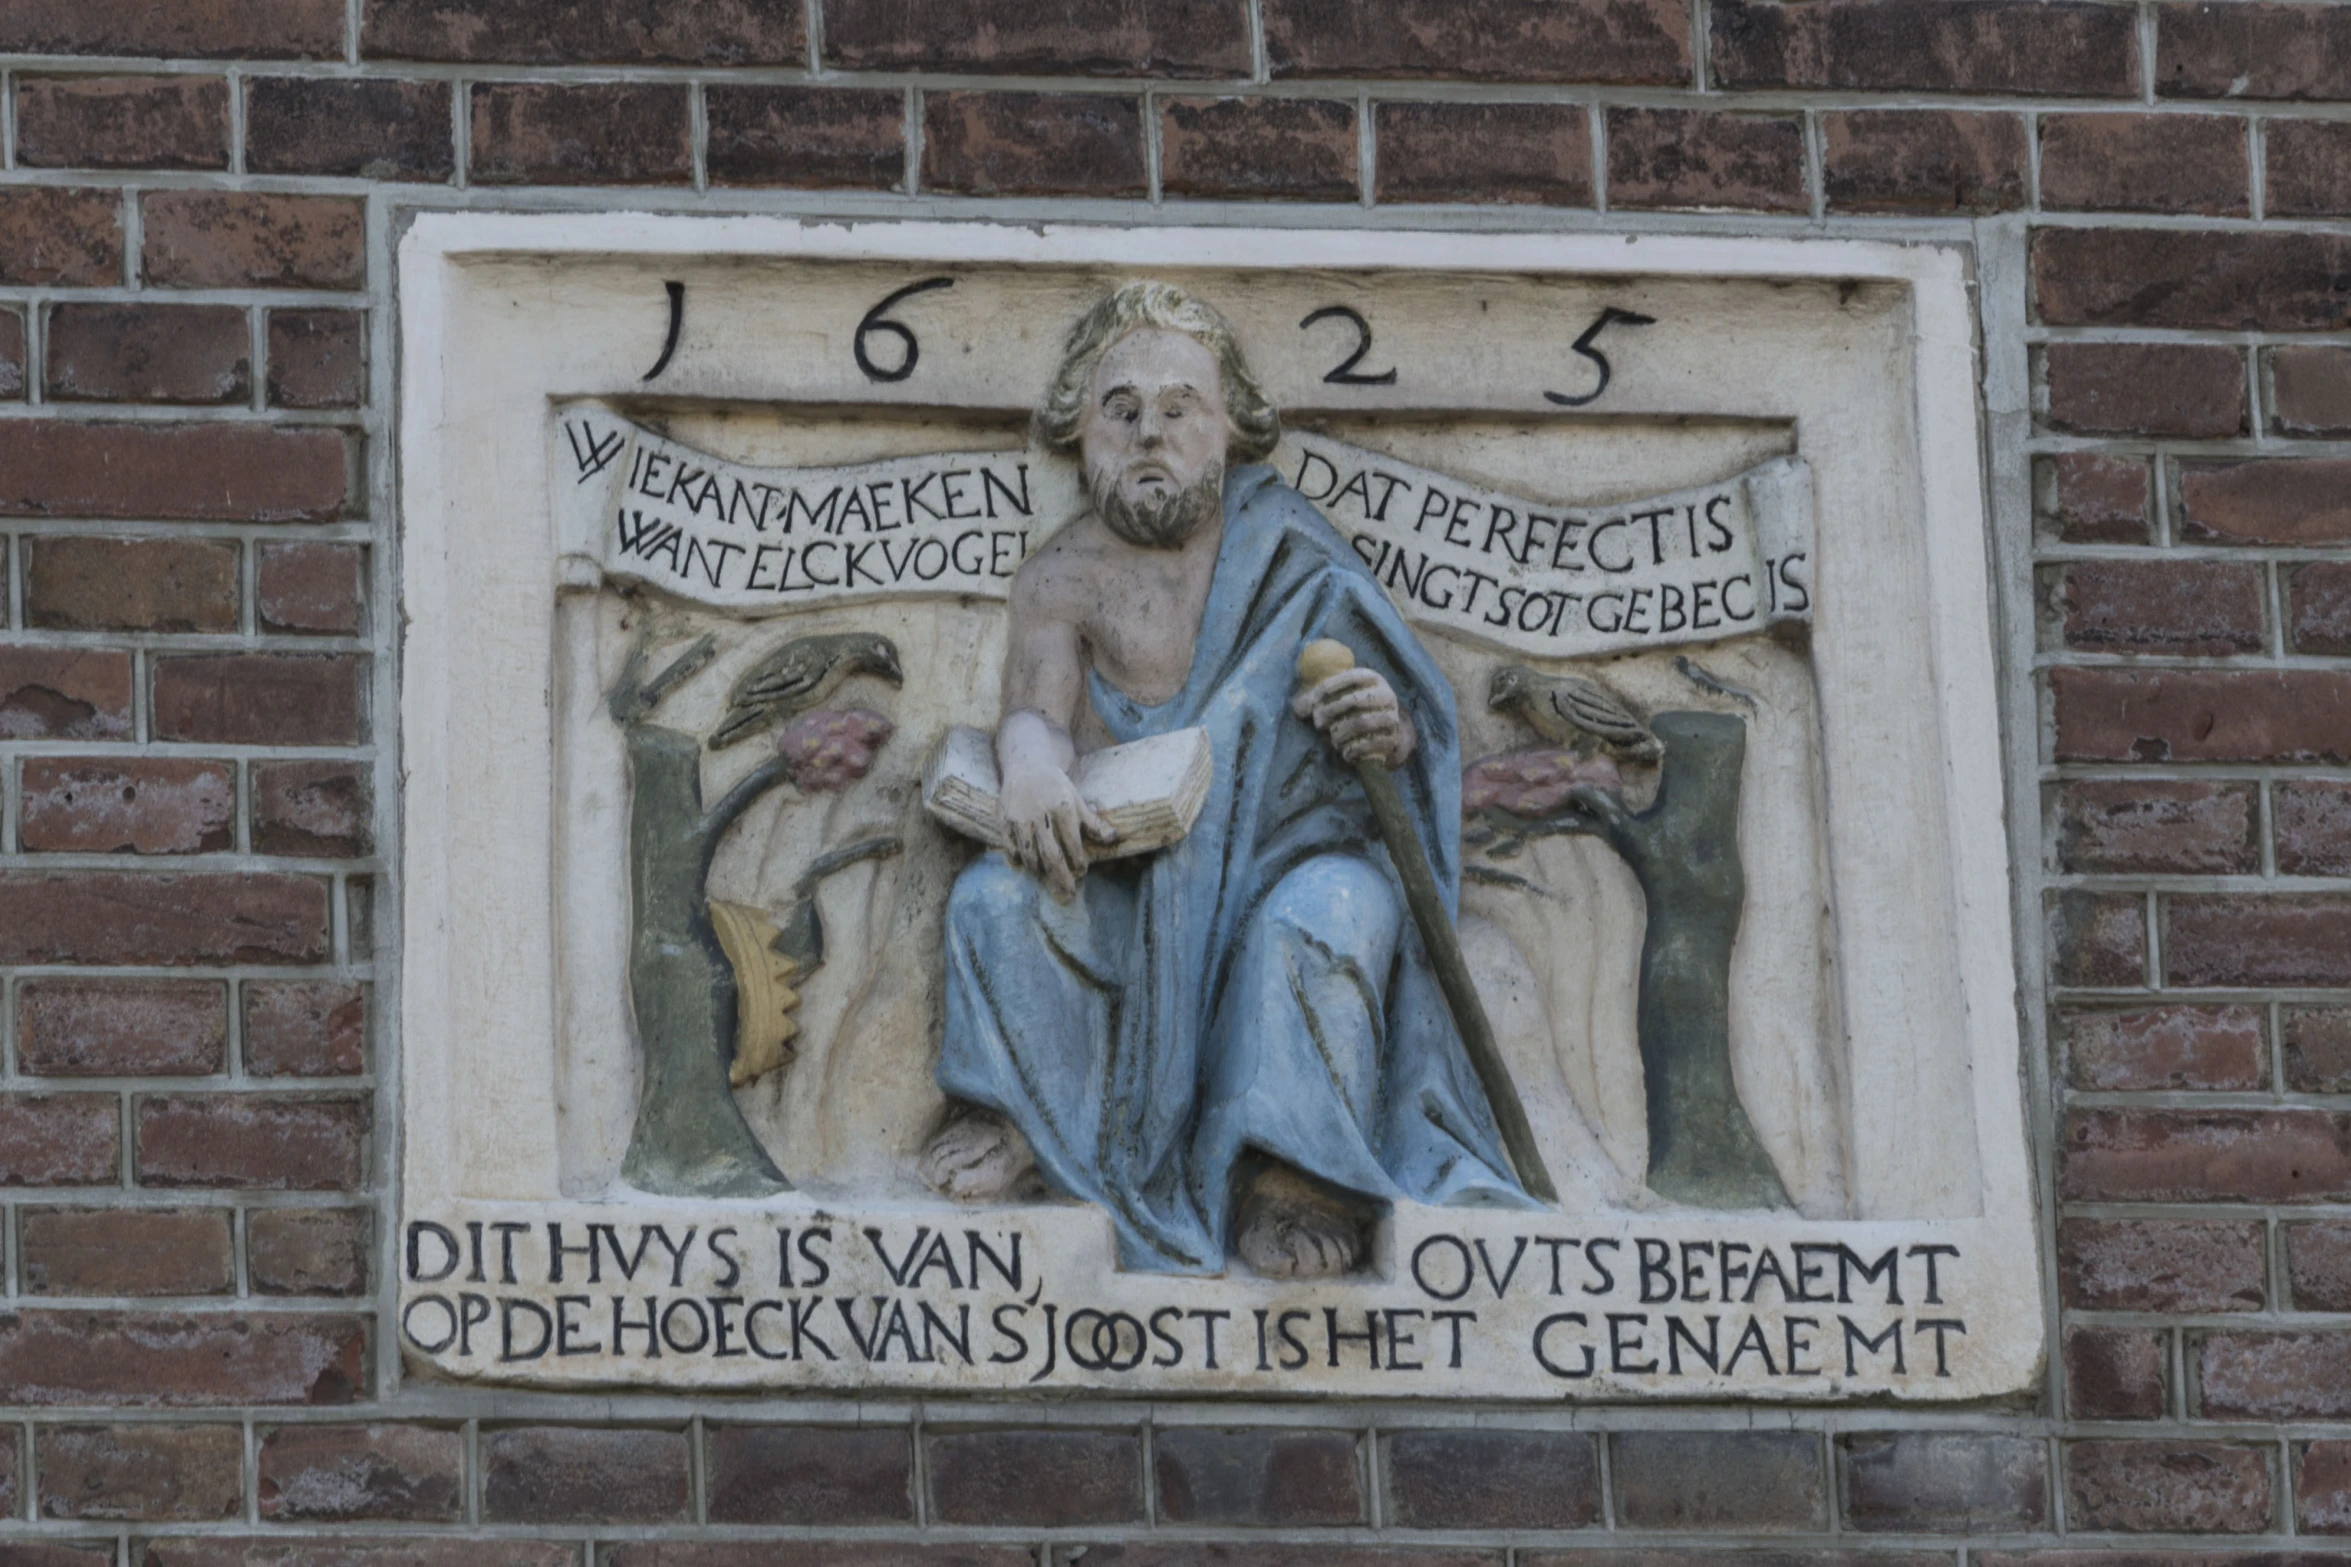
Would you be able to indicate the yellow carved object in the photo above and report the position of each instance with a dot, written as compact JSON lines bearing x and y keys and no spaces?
{"x":764,"y":997}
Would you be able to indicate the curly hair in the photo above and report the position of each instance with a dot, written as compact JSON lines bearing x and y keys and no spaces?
{"x":1131,"y":307}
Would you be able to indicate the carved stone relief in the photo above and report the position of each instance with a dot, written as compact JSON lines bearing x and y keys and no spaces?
{"x":1084,"y":840}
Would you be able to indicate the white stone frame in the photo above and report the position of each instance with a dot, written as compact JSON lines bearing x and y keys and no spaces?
{"x":474,"y":1131}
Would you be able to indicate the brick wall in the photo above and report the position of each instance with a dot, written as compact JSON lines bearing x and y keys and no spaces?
{"x":196,"y":208}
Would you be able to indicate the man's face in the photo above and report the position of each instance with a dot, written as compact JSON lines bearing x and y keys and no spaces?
{"x":1153,"y":435}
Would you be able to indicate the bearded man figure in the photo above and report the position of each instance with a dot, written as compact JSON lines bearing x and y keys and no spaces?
{"x":1238,"y":1040}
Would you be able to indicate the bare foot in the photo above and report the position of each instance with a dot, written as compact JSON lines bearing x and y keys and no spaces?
{"x":1293,"y":1228}
{"x":980,"y":1157}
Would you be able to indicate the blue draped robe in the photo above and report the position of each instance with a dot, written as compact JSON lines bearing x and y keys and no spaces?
{"x":1259,"y":985}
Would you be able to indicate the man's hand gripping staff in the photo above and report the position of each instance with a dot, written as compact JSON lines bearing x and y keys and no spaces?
{"x":1346,"y":705}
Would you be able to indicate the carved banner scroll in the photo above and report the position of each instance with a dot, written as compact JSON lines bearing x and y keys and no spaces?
{"x":1698,"y":565}
{"x":639,"y":508}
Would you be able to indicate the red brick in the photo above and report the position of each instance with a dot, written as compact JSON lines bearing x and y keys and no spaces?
{"x":260,"y":698}
{"x":122,"y":122}
{"x":1762,"y":1480}
{"x":135,"y":805}
{"x":2310,"y":391}
{"x":2318,"y":617}
{"x":82,"y":583}
{"x":175,"y":472}
{"x":2163,"y":606}
{"x":317,"y":358}
{"x":2146,"y":389}
{"x":1491,"y":1479}
{"x":342,"y":1550}
{"x":2165,"y":1047}
{"x":2171,"y":163}
{"x":117,"y":1358}
{"x":1526,"y":153}
{"x":2318,"y":1052}
{"x":305,"y":1028}
{"x":561,"y":1474}
{"x":1989,"y":46}
{"x":2160,"y":1265}
{"x":811,"y":138}
{"x":2312,"y":821}
{"x":63,"y":693}
{"x":1692,"y":158}
{"x":12,"y":357}
{"x":2318,"y":1266}
{"x":2309,"y":168}
{"x":316,"y":809}
{"x":2167,"y":1487}
{"x":2239,"y":939}
{"x":1637,"y":42}
{"x":201,"y":29}
{"x":362,"y":1473}
{"x":2236,"y":49}
{"x":112,"y":917}
{"x":1174,"y":38}
{"x":2227,"y":281}
{"x":251,"y":1143}
{"x":128,"y":1251}
{"x":186,"y":1474}
{"x":1257,"y":1477}
{"x":1302,"y":149}
{"x":33,"y":1553}
{"x":595,"y":133}
{"x":1923,"y":160}
{"x":2138,"y":826}
{"x":2115,"y":1374}
{"x":1032,"y":144}
{"x":64,"y":238}
{"x":121,"y":1027}
{"x":989,"y":1477}
{"x":584,"y":32}
{"x":246,"y":239}
{"x":1945,"y":1482}
{"x":307,"y":1251}
{"x":375,"y":130}
{"x":2206,"y":1156}
{"x":1289,"y":1555}
{"x":2289,"y":501}
{"x":2098,"y":939}
{"x":60,"y":1140}
{"x":311,"y":588}
{"x":2193,"y":715}
{"x":844,"y":1553}
{"x":811,"y":1476}
{"x":2275,"y":1376}
{"x":2095,"y":499}
{"x":2322,"y":1487}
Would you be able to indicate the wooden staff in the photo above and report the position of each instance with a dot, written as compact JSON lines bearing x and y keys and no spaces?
{"x":1317,"y":662}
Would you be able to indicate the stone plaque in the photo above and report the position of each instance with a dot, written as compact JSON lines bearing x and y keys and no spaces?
{"x":1171,"y":812}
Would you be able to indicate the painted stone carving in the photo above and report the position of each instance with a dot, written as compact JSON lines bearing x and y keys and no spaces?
{"x":710,"y":982}
{"x":1128,"y":875}
{"x":1244,"y":1022}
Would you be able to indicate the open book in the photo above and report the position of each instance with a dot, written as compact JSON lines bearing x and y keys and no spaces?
{"x":1151,"y":789}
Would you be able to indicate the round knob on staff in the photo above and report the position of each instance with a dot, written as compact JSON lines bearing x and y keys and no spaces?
{"x":1322,"y":658}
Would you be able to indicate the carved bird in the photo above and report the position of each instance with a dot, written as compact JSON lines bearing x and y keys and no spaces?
{"x":797,"y":676}
{"x":1573,"y":711}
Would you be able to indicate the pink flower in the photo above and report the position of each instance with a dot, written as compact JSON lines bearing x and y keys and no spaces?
{"x":1532,"y":783}
{"x":827,"y":750}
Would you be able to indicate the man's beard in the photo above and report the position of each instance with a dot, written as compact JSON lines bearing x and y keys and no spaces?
{"x":1164,"y":521}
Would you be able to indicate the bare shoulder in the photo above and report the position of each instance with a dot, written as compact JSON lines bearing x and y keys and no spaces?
{"x":1061,"y":580}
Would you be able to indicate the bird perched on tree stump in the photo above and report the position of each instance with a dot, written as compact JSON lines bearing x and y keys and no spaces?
{"x":1574,"y":711}
{"x":797,"y":676}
